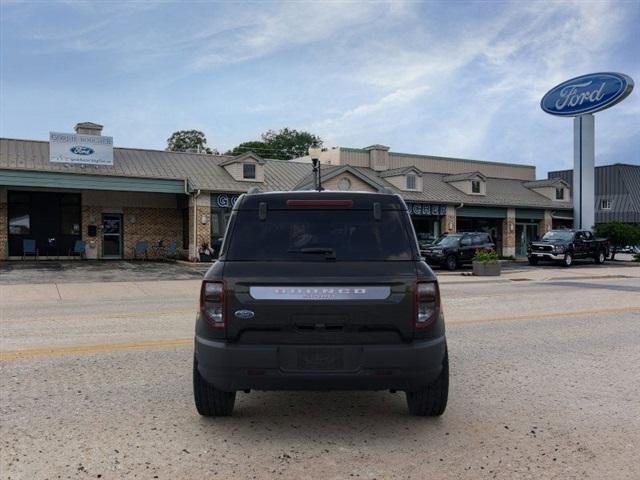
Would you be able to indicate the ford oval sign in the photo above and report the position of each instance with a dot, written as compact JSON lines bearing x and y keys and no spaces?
{"x":79,"y":150}
{"x":587,"y":94}
{"x":244,"y":314}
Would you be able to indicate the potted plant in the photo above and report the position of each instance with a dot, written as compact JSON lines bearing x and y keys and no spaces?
{"x":486,"y":264}
{"x":205,"y":253}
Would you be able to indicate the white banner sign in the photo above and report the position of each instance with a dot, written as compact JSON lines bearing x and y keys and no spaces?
{"x":74,"y":148}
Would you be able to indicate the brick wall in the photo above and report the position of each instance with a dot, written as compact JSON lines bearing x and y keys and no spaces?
{"x":152,"y":225}
{"x":449,"y":219}
{"x":92,"y":216}
{"x":545,"y":224}
{"x":4,"y":242}
{"x":203,"y":231}
{"x":509,"y":233}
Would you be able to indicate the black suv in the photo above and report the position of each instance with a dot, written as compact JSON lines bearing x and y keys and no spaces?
{"x":455,"y":249}
{"x":320,"y":291}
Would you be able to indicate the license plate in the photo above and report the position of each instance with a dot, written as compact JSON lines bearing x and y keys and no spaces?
{"x":320,"y":359}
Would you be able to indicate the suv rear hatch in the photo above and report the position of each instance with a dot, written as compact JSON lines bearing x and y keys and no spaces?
{"x":323,"y":271}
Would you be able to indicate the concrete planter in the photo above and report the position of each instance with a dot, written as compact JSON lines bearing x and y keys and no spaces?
{"x":486,"y":269}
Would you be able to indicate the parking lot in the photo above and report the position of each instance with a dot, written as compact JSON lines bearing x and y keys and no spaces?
{"x":96,"y":383}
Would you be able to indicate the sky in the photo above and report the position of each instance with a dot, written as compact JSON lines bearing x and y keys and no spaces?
{"x":451,"y":78}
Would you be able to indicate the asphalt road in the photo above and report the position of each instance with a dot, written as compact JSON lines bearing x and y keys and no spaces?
{"x":545,"y":384}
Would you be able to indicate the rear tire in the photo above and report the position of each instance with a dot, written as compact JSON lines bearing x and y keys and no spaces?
{"x":432,"y":401}
{"x":451,"y":263}
{"x":600,"y":257}
{"x":533,"y":261}
{"x":211,"y":402}
{"x":568,"y":260}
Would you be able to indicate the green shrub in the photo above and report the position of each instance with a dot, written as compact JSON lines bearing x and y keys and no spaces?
{"x":482,"y":256}
{"x":619,"y":234}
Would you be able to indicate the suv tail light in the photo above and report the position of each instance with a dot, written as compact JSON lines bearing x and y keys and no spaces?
{"x":427,"y":303}
{"x":212,"y":302}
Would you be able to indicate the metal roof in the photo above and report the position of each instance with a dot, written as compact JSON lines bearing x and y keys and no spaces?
{"x":463,"y":176}
{"x":547,"y":182}
{"x":201,"y":170}
{"x":205,"y":172}
{"x":400,"y":171}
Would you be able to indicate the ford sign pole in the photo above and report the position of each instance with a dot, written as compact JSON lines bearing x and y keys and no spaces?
{"x":580,"y":97}
{"x":584,"y":171}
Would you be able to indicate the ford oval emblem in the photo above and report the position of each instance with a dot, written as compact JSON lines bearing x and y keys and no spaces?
{"x":587,"y":94}
{"x":244,"y":314}
{"x":79,"y":150}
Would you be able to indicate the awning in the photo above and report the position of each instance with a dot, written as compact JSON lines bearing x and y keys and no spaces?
{"x":30,"y":178}
{"x":561,"y":216}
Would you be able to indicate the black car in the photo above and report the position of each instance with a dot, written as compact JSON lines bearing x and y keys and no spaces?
{"x":455,"y":249}
{"x":320,"y":291}
{"x":564,"y":246}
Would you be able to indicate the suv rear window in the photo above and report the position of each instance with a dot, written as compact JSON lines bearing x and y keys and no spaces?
{"x":320,"y":235}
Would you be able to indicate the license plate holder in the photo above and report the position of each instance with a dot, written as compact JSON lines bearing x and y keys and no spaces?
{"x":320,"y":359}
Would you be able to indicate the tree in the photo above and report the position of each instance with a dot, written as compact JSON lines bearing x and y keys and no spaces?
{"x":619,"y":234}
{"x":284,"y":144}
{"x":257,"y":147}
{"x":189,"y":141}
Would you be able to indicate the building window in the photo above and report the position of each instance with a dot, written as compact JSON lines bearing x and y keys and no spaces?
{"x":559,"y":193}
{"x":605,"y":204}
{"x":19,"y":213}
{"x":475,"y":186}
{"x":249,"y":170}
{"x":411,"y":182}
{"x":70,"y":214}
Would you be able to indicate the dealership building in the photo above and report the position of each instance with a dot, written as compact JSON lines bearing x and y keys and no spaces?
{"x":112,"y":198}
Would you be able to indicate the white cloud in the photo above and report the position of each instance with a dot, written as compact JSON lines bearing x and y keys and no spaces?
{"x":483,"y":79}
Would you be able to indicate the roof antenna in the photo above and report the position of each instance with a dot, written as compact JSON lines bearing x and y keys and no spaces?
{"x":317,"y":174}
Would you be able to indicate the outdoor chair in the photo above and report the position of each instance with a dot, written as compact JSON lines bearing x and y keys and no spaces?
{"x":79,"y":248}
{"x":172,"y":249}
{"x":142,"y":249}
{"x":159,"y":249}
{"x":29,"y":248}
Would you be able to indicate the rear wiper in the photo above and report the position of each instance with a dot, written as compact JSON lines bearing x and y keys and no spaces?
{"x":329,"y":252}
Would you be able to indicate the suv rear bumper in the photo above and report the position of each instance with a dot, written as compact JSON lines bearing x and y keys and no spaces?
{"x":231,"y":367}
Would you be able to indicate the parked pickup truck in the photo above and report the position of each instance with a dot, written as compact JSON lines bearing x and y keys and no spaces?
{"x":320,"y":291}
{"x":565,"y":246}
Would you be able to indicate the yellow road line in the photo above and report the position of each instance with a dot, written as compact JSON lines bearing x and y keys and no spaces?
{"x":104,"y":347}
{"x":67,"y":318}
{"x":178,"y":342}
{"x":574,"y":313}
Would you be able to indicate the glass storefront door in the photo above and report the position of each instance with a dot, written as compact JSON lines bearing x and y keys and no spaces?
{"x":112,"y":235}
{"x":525,"y":233}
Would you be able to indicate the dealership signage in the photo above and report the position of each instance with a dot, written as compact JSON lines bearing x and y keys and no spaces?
{"x":426,"y":209}
{"x":226,"y":201}
{"x":580,"y":97}
{"x":80,"y":149}
{"x":587,"y":94}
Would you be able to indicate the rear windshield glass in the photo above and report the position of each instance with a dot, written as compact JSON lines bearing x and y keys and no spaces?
{"x":558,"y":235}
{"x":319,"y":235}
{"x":447,"y":241}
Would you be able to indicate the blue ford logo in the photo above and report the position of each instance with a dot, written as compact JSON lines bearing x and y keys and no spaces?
{"x":244,"y":314}
{"x":79,"y":150}
{"x":587,"y":94}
